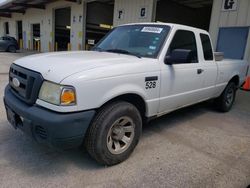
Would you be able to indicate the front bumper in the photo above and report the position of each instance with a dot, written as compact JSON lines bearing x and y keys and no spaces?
{"x":63,"y":130}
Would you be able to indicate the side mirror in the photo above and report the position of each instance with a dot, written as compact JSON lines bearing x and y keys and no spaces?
{"x":178,"y":56}
{"x":219,"y":56}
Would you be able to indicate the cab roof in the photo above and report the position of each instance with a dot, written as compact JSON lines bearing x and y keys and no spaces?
{"x":172,"y":25}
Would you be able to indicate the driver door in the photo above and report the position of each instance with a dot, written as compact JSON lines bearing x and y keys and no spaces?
{"x":182,"y":79}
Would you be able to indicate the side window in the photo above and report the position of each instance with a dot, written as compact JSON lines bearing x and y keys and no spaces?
{"x":183,"y":47}
{"x":207,"y":47}
{"x":6,"y":38}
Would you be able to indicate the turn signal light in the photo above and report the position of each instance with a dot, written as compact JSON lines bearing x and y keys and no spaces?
{"x":68,"y":97}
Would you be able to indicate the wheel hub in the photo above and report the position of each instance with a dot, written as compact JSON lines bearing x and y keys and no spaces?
{"x":229,"y":97}
{"x":120,"y":135}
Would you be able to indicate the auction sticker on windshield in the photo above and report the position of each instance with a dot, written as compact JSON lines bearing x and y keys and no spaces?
{"x":152,"y":29}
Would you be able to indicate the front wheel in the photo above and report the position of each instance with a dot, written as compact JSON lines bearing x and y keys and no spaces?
{"x":225,"y":102}
{"x":114,"y":133}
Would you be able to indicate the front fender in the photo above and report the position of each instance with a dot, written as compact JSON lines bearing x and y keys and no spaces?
{"x":94,"y":93}
{"x":123,"y":90}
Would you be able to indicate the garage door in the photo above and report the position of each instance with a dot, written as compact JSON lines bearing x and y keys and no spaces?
{"x":232,"y":41}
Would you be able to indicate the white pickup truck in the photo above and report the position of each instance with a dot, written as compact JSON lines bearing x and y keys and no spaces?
{"x":101,"y":98}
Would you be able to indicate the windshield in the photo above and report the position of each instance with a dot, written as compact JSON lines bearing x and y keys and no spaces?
{"x":139,"y":40}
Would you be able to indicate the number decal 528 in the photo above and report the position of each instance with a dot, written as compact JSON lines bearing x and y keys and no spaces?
{"x":150,"y":85}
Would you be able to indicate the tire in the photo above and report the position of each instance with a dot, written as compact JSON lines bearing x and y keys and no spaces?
{"x":12,"y":49}
{"x":114,"y":123}
{"x":226,"y":100}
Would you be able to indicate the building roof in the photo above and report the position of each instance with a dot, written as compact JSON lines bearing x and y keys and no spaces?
{"x":194,"y":3}
{"x":3,"y":2}
{"x":20,"y":6}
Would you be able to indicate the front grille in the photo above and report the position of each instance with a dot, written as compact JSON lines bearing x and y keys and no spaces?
{"x":29,"y":83}
{"x":41,"y":132}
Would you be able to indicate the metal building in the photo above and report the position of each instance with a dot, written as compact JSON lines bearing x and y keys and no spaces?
{"x":54,"y":25}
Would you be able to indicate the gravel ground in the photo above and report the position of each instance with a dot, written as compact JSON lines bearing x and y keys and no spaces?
{"x":193,"y":147}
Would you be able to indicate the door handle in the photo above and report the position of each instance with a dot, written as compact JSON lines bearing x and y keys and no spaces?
{"x":199,"y":71}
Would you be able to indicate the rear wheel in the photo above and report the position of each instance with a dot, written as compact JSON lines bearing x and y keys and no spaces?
{"x":225,"y":102}
{"x":114,"y":133}
{"x":12,"y":49}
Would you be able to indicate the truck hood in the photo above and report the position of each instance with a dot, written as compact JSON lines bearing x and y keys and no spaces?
{"x":59,"y":65}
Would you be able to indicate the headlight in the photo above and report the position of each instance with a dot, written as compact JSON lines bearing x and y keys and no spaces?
{"x":57,"y":94}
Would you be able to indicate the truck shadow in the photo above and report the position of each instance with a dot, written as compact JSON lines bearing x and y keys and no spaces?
{"x":26,"y":155}
{"x":181,"y":115}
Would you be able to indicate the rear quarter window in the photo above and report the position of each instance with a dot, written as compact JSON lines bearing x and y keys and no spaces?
{"x":207,"y":47}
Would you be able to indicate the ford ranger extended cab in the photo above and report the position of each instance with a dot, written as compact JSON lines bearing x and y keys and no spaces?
{"x":101,"y":98}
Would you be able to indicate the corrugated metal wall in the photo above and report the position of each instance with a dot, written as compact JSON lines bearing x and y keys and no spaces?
{"x":131,"y":11}
{"x":238,"y":18}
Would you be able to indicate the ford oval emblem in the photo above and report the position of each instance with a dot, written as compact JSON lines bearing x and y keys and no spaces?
{"x":16,"y":82}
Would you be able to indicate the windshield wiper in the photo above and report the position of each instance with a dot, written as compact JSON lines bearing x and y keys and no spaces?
{"x":123,"y":52}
